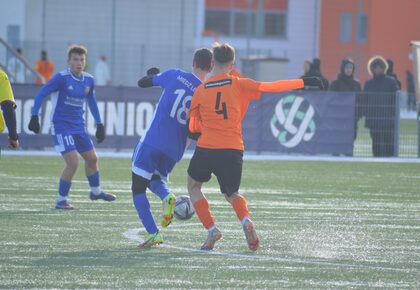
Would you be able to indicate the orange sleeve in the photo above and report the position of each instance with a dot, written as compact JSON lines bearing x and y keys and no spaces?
{"x":194,"y":113}
{"x":281,"y":86}
{"x":194,"y":125}
{"x":277,"y":86}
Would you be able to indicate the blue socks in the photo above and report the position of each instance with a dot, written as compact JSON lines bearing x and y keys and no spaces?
{"x":63,"y":189}
{"x":94,"y":183}
{"x":143,"y":209}
{"x":159,"y":188}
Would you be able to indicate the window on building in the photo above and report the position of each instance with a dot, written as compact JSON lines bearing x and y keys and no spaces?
{"x":275,"y":24}
{"x":218,"y":21}
{"x":240,"y":26}
{"x":232,"y":18}
{"x":345,"y":27}
{"x":362,"y":29}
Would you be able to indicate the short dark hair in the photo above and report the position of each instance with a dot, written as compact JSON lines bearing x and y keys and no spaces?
{"x":78,"y":49}
{"x":203,"y":58}
{"x":223,"y":53}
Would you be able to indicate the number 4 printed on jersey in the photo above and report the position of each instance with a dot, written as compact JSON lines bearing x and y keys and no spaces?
{"x":223,"y":111}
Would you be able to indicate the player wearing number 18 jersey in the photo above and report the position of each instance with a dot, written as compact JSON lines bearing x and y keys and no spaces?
{"x":219,"y":105}
{"x":164,"y":142}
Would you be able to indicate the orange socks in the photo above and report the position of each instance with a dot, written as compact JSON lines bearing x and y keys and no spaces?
{"x":240,"y":206}
{"x":202,"y":210}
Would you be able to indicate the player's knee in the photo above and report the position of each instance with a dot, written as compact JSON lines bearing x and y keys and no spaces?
{"x":194,"y":187}
{"x":72,"y":164}
{"x":139,"y":184}
{"x":230,"y":197}
{"x":92,"y":161}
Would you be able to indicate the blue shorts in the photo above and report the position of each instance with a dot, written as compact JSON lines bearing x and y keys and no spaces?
{"x":65,"y":142}
{"x":148,"y":161}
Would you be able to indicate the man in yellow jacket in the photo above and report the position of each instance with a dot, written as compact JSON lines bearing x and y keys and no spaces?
{"x":7,"y":113}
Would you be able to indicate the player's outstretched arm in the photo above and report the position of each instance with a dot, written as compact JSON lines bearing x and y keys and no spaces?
{"x":147,"y":81}
{"x":288,"y":85}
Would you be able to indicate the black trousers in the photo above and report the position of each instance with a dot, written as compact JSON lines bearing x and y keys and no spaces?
{"x":382,"y":141}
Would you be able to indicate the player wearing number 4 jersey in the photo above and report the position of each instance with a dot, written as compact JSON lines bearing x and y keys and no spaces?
{"x":217,"y":108}
{"x":69,"y":91}
{"x":164,"y":142}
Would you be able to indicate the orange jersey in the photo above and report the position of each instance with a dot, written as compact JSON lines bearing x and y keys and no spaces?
{"x":219,"y":105}
{"x":45,"y":68}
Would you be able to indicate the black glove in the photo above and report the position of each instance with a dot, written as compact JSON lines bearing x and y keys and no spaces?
{"x":100,"y":133}
{"x":34,"y":124}
{"x":313,"y":82}
{"x":152,"y":71}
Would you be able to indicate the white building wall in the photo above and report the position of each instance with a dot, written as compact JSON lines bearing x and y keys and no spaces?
{"x":303,"y":21}
{"x":11,"y":15}
{"x":134,"y":34}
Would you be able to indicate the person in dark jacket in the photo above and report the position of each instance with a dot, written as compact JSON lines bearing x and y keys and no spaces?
{"x":345,"y":82}
{"x":390,"y":72}
{"x":381,"y":107}
{"x":315,"y":71}
{"x":307,"y":64}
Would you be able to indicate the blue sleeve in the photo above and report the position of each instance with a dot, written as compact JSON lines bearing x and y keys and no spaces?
{"x":93,"y":105}
{"x":163,"y":78}
{"x":51,"y":86}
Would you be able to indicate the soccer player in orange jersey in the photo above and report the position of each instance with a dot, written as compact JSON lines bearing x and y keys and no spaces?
{"x":217,"y":109}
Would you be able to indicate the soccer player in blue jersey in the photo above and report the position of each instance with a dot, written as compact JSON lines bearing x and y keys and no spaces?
{"x":164,"y":143}
{"x":69,"y":90}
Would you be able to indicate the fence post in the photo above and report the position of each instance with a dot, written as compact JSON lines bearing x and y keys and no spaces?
{"x":397,"y":124}
{"x":418,"y":130}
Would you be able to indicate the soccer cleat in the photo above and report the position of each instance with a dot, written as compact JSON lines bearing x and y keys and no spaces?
{"x":212,"y":238}
{"x":251,"y":235}
{"x":103,"y":195}
{"x":168,"y":210}
{"x":151,"y":240}
{"x":63,"y":205}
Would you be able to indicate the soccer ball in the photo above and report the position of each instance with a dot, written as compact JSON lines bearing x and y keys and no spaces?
{"x":184,"y":208}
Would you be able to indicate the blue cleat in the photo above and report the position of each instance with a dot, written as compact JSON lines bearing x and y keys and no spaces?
{"x":103,"y":195}
{"x":63,"y":205}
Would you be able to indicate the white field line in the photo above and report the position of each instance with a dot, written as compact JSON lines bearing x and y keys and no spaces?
{"x":132,"y":234}
{"x":247,"y":156}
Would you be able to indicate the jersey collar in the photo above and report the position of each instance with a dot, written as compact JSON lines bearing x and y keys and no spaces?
{"x":76,"y":78}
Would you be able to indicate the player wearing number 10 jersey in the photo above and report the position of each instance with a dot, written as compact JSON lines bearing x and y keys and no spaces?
{"x":164,"y":142}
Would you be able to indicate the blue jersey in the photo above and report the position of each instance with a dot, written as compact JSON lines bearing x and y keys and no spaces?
{"x":167,"y":131}
{"x":68,"y":96}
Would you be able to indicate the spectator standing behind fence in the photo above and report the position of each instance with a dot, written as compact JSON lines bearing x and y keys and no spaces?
{"x":411,"y":92}
{"x":380,"y":93}
{"x":315,"y":71}
{"x":44,"y":67}
{"x":345,"y":82}
{"x":307,"y":64}
{"x":102,"y":74}
{"x":390,"y":72}
{"x":16,"y":68}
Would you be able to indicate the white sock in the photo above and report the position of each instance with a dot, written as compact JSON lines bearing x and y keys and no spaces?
{"x":245,"y":219}
{"x":61,"y":198}
{"x":212,"y":228}
{"x":96,"y":190}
